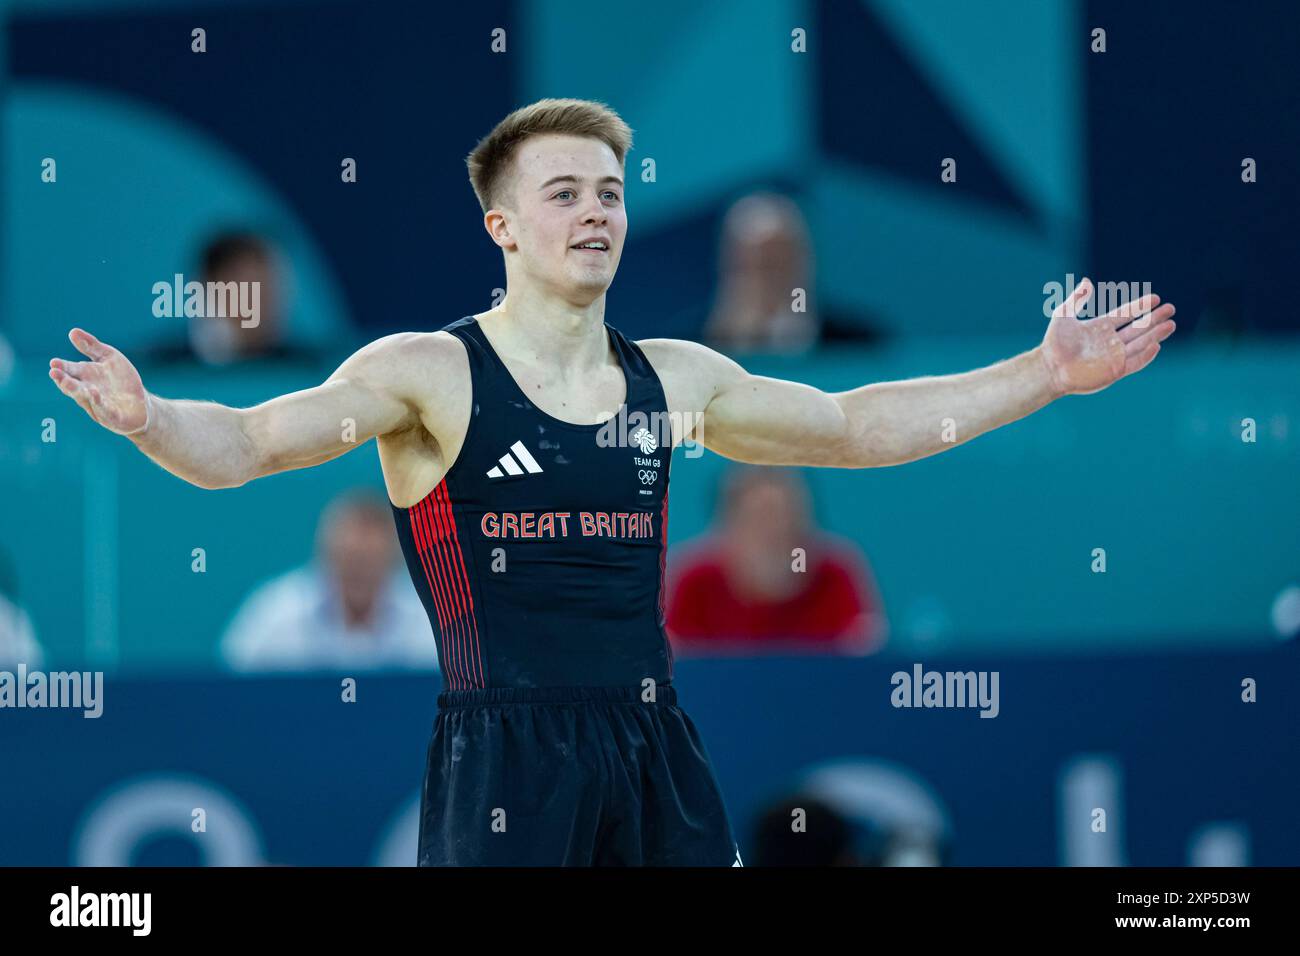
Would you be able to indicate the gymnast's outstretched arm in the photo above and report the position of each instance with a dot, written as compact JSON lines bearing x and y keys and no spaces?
{"x":763,"y":420}
{"x":378,"y":390}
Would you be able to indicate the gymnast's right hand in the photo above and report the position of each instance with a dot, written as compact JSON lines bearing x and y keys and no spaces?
{"x":107,"y":387}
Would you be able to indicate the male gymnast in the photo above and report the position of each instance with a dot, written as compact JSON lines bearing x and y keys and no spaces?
{"x":526,"y":452}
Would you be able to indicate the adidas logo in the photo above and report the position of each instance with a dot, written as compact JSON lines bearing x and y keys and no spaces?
{"x":509,"y":466}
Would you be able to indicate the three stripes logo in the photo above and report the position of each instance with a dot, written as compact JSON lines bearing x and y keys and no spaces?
{"x":509,"y":466}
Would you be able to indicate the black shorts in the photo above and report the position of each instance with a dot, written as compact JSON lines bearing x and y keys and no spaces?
{"x":582,"y":776}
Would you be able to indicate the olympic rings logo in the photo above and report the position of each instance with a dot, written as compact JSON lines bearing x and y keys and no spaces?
{"x":648,"y":476}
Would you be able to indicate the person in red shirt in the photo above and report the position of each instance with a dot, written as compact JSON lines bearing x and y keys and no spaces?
{"x":767,"y":579}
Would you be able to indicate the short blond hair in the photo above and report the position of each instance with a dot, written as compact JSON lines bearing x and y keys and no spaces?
{"x":489,"y":161}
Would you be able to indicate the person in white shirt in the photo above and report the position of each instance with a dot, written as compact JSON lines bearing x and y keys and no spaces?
{"x":353,"y":608}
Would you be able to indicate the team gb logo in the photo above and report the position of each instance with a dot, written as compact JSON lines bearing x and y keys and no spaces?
{"x":644,"y":440}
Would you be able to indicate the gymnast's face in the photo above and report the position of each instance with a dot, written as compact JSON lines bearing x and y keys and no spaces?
{"x":565,"y":189}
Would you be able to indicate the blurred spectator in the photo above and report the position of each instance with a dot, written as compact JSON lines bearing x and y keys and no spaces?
{"x":18,"y":644}
{"x":745,"y":587}
{"x":238,"y":257}
{"x":804,"y":831}
{"x":355,"y":608}
{"x":17,"y":638}
{"x":766,"y":255}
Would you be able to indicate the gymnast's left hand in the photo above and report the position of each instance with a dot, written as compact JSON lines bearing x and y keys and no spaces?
{"x":1086,"y":355}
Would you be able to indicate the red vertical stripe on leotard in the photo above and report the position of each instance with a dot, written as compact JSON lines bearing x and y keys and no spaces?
{"x":467,"y":594}
{"x":420,"y":534}
{"x":438,"y":558}
{"x":447,"y":569}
